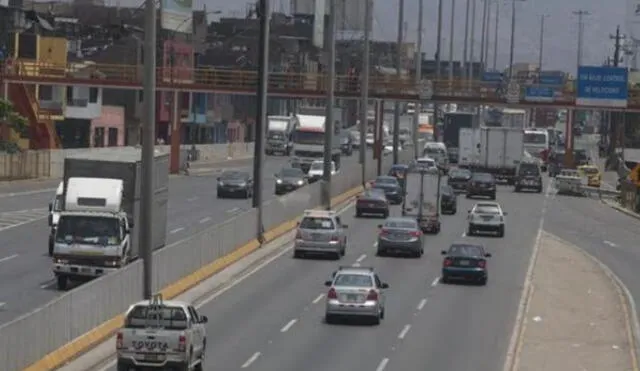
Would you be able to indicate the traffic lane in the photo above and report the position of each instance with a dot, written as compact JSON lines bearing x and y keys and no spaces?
{"x":417,"y":305}
{"x":610,"y":236}
{"x":260,"y":305}
{"x":468,"y":328}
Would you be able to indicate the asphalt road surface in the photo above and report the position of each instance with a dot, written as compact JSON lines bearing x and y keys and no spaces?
{"x":273,"y":320}
{"x":26,"y":280}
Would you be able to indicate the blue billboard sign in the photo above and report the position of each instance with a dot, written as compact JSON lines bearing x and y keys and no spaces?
{"x":602,"y":86}
{"x":556,"y":78}
{"x":539,"y":93}
{"x":492,"y":77}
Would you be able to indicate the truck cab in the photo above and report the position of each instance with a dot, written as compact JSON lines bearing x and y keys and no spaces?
{"x":55,"y":207}
{"x":92,"y":237}
{"x":280,"y":134}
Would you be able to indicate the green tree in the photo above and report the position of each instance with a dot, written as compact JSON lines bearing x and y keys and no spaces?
{"x":15,"y":121}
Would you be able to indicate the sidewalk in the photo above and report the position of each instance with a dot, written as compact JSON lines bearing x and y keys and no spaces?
{"x":576,"y":318}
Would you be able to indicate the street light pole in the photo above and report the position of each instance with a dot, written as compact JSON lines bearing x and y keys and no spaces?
{"x":364,"y":104}
{"x":484,"y":32}
{"x":436,"y":106}
{"x":473,"y":39}
{"x":329,"y":123}
{"x":148,"y":144}
{"x":513,"y":33}
{"x":495,"y":37}
{"x":487,"y":31}
{"x":261,"y":115}
{"x":418,"y":109}
{"x":396,"y":113}
{"x":451,"y":36}
{"x":540,"y":54}
{"x":466,"y":40}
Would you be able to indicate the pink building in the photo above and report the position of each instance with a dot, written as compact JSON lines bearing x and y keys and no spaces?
{"x":108,"y":129}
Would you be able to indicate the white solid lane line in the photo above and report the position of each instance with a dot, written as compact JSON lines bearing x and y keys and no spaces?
{"x":404,"y":332}
{"x":288,"y":325}
{"x":176,"y":230}
{"x":7,"y":258}
{"x":233,"y":210}
{"x":204,"y":220}
{"x":422,"y":303}
{"x":435,"y":282}
{"x":383,"y":364}
{"x":251,"y":359}
{"x":361,"y":258}
{"x":317,"y":300}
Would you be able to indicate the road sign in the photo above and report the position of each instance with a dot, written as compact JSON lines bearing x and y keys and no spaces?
{"x":602,"y":86}
{"x":555,"y":78}
{"x":513,"y":92}
{"x":538,"y":93}
{"x":426,"y":90}
{"x":493,"y":77}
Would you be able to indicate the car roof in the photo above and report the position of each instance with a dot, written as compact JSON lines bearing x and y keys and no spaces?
{"x":354,"y":270}
{"x":166,"y":303}
{"x":319,"y":213}
{"x":426,"y":159}
{"x":462,"y":246}
{"x":487,"y":204}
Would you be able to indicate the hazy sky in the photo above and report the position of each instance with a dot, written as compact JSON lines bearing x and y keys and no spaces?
{"x":560,"y":51}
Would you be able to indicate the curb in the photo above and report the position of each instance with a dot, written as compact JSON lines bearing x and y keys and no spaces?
{"x":620,"y":209}
{"x":102,"y":332}
{"x":626,"y":299}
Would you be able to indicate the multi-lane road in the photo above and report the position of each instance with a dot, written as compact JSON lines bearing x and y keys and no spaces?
{"x":26,"y":281}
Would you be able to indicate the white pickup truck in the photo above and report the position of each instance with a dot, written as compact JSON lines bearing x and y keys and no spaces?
{"x":162,"y":335}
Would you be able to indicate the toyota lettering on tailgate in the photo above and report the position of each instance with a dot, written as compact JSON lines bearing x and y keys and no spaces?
{"x":150,"y":345}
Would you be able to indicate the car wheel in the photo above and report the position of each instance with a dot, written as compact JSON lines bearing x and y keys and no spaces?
{"x":470,"y":231}
{"x":444,"y":279}
{"x":382,"y":313}
{"x":483,"y":281}
{"x":468,"y":195}
{"x":455,"y":211}
{"x":62,"y":282}
{"x":517,"y":189}
{"x":358,"y":213}
{"x":50,"y":246}
{"x":343,"y":252}
{"x":501,"y":232}
{"x":493,"y":196}
{"x":220,"y":194}
{"x":380,"y":253}
{"x":337,"y":255}
{"x":122,"y":367}
{"x":417,"y":254}
{"x":329,"y":319}
{"x":375,"y":320}
{"x":298,"y":254}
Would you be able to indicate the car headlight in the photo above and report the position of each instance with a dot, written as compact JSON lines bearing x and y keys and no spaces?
{"x":220,"y":184}
{"x":278,"y":181}
{"x":300,"y":182}
{"x":242,"y":185}
{"x":111,"y":263}
{"x":61,"y":261}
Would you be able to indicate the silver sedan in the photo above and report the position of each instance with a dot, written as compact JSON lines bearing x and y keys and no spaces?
{"x":400,"y":235}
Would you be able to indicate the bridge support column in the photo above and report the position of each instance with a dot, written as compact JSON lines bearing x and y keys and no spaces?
{"x":568,"y":141}
{"x":176,"y":126}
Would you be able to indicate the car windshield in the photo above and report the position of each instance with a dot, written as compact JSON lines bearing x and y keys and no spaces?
{"x":93,"y":230}
{"x":482,"y":177}
{"x":529,"y":169}
{"x":459,"y":173}
{"x":317,"y":223}
{"x":291,"y":173}
{"x":354,"y":280}
{"x":535,"y":138}
{"x":401,"y":224}
{"x":317,"y":166}
{"x":466,"y":250}
{"x":232,"y":175}
{"x":428,"y":163}
{"x":374,"y":193}
{"x":487,"y":210}
{"x":141,"y":316}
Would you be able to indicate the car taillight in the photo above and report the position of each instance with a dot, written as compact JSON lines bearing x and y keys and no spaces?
{"x":373,"y":295}
{"x":482,"y":263}
{"x":182,"y":343}
{"x":416,"y":234}
{"x":447,"y":262}
{"x":332,"y":294}
{"x":119,"y":341}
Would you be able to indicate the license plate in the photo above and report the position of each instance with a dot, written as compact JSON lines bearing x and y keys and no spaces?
{"x":352,"y":297}
{"x":463,"y":262}
{"x":487,"y":217}
{"x":85,"y":270}
{"x":316,"y":236}
{"x":153,"y":357}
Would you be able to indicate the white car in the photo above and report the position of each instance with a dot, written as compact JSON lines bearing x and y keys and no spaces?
{"x":317,"y":170}
{"x":428,"y":164}
{"x":486,"y":217}
{"x":388,"y":148}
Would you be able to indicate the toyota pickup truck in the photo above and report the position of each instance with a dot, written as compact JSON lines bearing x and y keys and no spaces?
{"x":160,"y":335}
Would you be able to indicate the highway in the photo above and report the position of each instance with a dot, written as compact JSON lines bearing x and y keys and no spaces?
{"x":273,"y":319}
{"x":26,"y":281}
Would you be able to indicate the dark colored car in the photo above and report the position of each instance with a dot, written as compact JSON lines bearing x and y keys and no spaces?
{"x":448,"y":200}
{"x":346,"y":144}
{"x":391,"y":188}
{"x":372,"y":201}
{"x":580,"y":157}
{"x":235,"y":183}
{"x":528,"y":176}
{"x":481,"y":184}
{"x":399,"y":171}
{"x":400,"y":235}
{"x":465,"y":262}
{"x":289,"y":179}
{"x":458,"y":179}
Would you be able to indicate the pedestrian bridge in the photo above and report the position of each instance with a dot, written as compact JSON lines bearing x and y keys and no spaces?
{"x":288,"y":85}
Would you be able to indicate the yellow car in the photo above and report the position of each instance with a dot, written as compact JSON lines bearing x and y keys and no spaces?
{"x":592,"y":174}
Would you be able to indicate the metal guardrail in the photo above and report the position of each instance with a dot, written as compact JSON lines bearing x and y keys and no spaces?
{"x":34,"y":335}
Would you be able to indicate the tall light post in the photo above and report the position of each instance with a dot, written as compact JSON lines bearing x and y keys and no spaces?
{"x":513,"y":33}
{"x":451,"y":39}
{"x":466,"y":40}
{"x":484,"y":33}
{"x":541,"y":47}
{"x":418,"y":109}
{"x":364,"y":104}
{"x":495,"y":37}
{"x":396,"y":113}
{"x":329,"y":123}
{"x":581,"y":14}
{"x":473,"y":40}
{"x":436,"y":106}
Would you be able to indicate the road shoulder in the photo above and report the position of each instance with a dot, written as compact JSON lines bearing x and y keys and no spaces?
{"x":577,"y":317}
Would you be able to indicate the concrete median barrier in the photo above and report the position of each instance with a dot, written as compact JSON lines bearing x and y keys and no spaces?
{"x":70,"y":325}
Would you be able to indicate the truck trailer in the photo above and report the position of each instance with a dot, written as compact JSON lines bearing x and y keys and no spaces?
{"x":453,"y":122}
{"x":95,"y":232}
{"x":501,"y":150}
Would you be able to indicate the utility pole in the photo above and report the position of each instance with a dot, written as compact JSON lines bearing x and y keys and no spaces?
{"x":482,"y":36}
{"x":540,"y":53}
{"x":148,"y":144}
{"x":329,"y":123}
{"x":495,"y":37}
{"x":264,"y":10}
{"x":473,"y":40}
{"x":513,"y":38}
{"x":487,"y":31}
{"x":451,"y":39}
{"x":466,"y":40}
{"x":396,"y":113}
{"x":436,"y":106}
{"x":614,"y":120}
{"x":580,"y":14}
{"x":364,"y":104}
{"x":418,"y":109}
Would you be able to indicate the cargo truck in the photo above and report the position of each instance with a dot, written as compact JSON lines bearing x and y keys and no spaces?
{"x":308,"y":142}
{"x":453,"y":122}
{"x":469,"y":147}
{"x":501,"y":150}
{"x":95,"y":233}
{"x":280,"y":134}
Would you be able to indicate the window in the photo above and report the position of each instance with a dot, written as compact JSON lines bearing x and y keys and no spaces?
{"x":171,"y":318}
{"x":317,"y":223}
{"x":112,"y":140}
{"x":98,"y":137}
{"x":93,"y":95}
{"x":354,"y":280}
{"x":45,"y":92}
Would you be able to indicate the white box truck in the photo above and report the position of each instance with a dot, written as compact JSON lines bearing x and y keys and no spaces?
{"x":308,"y":142}
{"x":501,"y":150}
{"x":469,"y":147}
